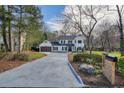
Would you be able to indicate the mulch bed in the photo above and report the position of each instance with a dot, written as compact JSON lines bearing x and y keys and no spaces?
{"x":91,"y":80}
{"x":99,"y":80}
{"x":4,"y":66}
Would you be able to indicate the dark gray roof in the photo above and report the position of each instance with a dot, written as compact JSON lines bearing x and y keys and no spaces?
{"x":58,"y":44}
{"x":63,"y":37}
{"x":66,"y":37}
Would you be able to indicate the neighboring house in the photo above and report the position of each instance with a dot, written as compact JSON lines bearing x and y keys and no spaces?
{"x":63,"y":44}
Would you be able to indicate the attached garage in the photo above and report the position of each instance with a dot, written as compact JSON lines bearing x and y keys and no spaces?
{"x":46,"y":49}
{"x":46,"y":46}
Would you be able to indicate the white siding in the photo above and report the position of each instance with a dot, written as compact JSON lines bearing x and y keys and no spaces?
{"x":73,"y":48}
{"x":79,"y":44}
{"x":60,"y":49}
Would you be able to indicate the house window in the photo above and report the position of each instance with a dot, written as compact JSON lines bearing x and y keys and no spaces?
{"x":61,"y":41}
{"x":75,"y":48}
{"x":70,"y":42}
{"x":64,"y":41}
{"x":79,"y":41}
{"x":55,"y":48}
{"x":79,"y":48}
{"x":62,"y":48}
{"x":75,"y":41}
{"x":65,"y":48}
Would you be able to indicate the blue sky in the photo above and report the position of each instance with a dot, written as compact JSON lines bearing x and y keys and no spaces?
{"x":51,"y":11}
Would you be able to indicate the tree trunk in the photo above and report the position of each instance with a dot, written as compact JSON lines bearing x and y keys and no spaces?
{"x":108,"y":45}
{"x":9,"y":28}
{"x":121,"y":31}
{"x":20,"y":24}
{"x":122,"y":43}
{"x":19,"y":44}
{"x":102,"y":43}
{"x":89,"y":45}
{"x":4,"y":28}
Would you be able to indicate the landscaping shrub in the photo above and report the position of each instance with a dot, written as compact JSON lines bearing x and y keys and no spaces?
{"x":121,"y":65}
{"x":86,"y":57}
{"x":95,"y":61}
{"x":2,"y":55}
{"x":20,"y":57}
{"x":27,"y":57}
{"x":77,"y":57}
{"x":24,"y":56}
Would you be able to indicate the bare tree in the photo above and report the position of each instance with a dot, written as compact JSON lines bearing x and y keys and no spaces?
{"x":67,"y":26}
{"x":106,"y":34}
{"x":120,"y":26}
{"x":85,"y":20}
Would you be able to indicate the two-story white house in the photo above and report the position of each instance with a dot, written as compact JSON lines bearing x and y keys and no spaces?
{"x":63,"y":44}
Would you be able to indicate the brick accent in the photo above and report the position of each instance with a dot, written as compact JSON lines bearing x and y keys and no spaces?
{"x":108,"y":67}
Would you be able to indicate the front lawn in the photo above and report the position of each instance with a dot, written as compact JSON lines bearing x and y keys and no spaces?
{"x":35,"y":56}
{"x":117,"y":54}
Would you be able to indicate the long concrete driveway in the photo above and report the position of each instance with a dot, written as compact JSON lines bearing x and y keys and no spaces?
{"x":50,"y":71}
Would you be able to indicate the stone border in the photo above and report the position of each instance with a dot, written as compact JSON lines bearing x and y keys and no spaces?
{"x":76,"y":75}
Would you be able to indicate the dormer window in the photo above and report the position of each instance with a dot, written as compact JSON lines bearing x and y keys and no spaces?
{"x":79,"y":41}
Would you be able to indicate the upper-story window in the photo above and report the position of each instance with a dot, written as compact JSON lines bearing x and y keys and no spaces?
{"x":64,"y":41}
{"x":79,"y":41}
{"x":61,"y":41}
{"x":70,"y":42}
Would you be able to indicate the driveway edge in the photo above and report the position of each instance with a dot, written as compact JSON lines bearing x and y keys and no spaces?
{"x":76,"y":75}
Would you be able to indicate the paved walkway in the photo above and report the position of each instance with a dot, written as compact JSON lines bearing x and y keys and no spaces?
{"x":50,"y":71}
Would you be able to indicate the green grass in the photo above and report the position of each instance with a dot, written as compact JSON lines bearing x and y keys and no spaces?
{"x":121,"y":66}
{"x":35,"y":56}
{"x":116,"y":54}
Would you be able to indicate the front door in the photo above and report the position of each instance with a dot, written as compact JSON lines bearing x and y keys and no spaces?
{"x":69,"y":49}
